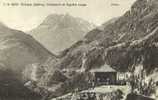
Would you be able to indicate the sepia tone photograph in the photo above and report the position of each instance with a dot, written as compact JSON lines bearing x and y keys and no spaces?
{"x":79,"y":50}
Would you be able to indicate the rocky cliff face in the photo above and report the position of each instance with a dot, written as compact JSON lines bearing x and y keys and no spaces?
{"x":134,"y":25}
{"x":58,"y":32}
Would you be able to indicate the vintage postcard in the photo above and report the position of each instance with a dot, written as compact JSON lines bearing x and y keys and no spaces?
{"x":79,"y":50}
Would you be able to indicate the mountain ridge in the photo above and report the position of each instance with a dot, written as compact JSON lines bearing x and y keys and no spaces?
{"x":19,"y":49}
{"x":58,"y":32}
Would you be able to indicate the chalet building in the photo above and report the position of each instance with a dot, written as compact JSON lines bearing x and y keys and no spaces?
{"x":105,"y":75}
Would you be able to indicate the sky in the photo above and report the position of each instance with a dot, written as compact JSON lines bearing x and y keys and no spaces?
{"x":26,"y":18}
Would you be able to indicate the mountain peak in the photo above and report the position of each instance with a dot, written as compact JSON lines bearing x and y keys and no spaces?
{"x":59,"y":31}
{"x":61,"y":19}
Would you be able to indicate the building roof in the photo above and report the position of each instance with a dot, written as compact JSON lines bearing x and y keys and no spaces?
{"x":104,"y":68}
